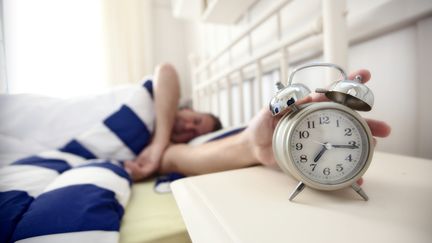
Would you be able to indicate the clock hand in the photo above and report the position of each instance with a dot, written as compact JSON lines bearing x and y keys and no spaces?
{"x":345,"y":146}
{"x":321,"y":152}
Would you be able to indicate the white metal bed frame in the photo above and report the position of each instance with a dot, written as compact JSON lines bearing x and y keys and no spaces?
{"x":331,"y":30}
{"x":331,"y":24}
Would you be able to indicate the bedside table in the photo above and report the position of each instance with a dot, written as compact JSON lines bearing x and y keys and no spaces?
{"x":251,"y":205}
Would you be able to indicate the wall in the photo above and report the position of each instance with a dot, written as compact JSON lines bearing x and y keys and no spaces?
{"x":170,"y":43}
{"x":397,"y":60}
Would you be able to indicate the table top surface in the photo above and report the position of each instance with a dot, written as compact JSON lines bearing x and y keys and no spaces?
{"x":251,"y":205}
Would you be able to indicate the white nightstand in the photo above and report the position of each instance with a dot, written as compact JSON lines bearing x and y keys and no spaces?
{"x":251,"y":205}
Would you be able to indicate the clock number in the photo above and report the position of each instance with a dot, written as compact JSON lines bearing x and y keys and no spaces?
{"x":313,"y":166}
{"x":339,"y":168}
{"x":353,"y":143}
{"x":303,"y":158}
{"x":299,"y":146}
{"x":349,"y":158}
{"x":304,"y":134}
{"x":311,"y":124}
{"x":324,"y":120}
{"x":326,"y":171}
{"x":348,"y":132}
{"x":337,"y":123}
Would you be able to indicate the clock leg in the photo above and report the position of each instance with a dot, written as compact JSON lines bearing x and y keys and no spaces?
{"x":360,"y":191}
{"x":298,"y":189}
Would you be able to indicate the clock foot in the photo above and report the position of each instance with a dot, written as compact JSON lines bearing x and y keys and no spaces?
{"x":360,"y":191}
{"x":298,"y":189}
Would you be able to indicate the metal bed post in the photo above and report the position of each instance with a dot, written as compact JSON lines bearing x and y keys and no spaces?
{"x":252,"y":94}
{"x":334,"y":35}
{"x":199,"y":104}
{"x":194,"y":76}
{"x":229,"y":99}
{"x":218,"y":98}
{"x":259,"y":85}
{"x":283,"y":57}
{"x":241,"y":98}
{"x":279,"y":26}
{"x":283,"y":66}
{"x":210,"y":97}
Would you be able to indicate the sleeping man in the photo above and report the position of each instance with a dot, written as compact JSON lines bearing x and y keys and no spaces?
{"x":77,"y":193}
{"x":172,"y":125}
{"x":251,"y":147}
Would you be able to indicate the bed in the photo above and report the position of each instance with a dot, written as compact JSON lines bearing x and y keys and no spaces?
{"x":149,"y":216}
{"x":33,"y":125}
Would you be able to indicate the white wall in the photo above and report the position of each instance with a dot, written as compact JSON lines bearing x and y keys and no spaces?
{"x":393,"y":82}
{"x":170,"y":43}
{"x":398,"y":60}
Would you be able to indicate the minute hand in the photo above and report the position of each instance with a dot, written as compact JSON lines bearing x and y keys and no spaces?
{"x":345,"y":146}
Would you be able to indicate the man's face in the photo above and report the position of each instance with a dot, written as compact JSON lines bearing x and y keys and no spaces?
{"x":190,"y":124}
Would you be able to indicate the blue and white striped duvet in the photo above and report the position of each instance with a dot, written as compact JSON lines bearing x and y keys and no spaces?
{"x":77,"y":193}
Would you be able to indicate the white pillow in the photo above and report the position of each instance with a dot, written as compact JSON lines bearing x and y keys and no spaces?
{"x":51,"y":122}
{"x":30,"y":124}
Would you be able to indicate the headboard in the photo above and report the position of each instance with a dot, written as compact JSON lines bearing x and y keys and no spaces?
{"x":237,"y":91}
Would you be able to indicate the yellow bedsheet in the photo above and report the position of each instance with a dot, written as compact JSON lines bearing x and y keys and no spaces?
{"x":152,"y":218}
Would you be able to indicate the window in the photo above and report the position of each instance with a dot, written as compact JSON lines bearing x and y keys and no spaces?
{"x":3,"y":84}
{"x":54,"y":47}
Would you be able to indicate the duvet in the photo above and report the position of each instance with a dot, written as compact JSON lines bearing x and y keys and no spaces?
{"x":78,"y":192}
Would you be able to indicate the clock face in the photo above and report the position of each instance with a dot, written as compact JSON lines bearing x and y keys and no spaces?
{"x":328,"y":146}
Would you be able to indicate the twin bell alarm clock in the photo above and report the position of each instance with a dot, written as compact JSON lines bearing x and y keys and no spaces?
{"x":325,"y":145}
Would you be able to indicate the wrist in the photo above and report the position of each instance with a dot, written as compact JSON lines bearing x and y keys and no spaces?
{"x":260,"y":149}
{"x":160,"y":143}
{"x":247,"y":147}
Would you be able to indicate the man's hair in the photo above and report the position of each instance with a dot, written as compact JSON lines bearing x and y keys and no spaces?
{"x":217,"y":123}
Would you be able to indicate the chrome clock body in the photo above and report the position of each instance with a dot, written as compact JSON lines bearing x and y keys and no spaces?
{"x":325,"y":145}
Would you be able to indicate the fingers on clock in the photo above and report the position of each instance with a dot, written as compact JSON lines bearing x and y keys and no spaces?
{"x":360,"y":181}
{"x":379,"y":128}
{"x":365,"y":74}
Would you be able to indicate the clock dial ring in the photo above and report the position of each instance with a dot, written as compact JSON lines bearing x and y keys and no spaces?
{"x":298,"y":158}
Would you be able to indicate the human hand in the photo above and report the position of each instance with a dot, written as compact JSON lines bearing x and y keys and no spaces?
{"x":147,"y":162}
{"x":261,"y":128}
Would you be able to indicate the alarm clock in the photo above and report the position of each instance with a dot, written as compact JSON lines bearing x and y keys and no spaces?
{"x":325,"y":145}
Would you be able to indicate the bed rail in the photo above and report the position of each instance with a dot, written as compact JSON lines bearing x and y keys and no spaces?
{"x":331,"y":24}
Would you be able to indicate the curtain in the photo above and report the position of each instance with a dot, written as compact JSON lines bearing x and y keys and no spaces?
{"x":128,"y":28}
{"x":3,"y":83}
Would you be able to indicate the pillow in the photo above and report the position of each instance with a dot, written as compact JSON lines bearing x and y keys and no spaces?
{"x":13,"y":148}
{"x":222,"y":133}
{"x":51,"y":122}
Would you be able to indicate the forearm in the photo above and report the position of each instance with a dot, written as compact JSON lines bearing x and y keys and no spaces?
{"x":231,"y":153}
{"x":166,"y":95}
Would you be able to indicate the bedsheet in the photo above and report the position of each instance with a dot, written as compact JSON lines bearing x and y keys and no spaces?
{"x":152,"y":217}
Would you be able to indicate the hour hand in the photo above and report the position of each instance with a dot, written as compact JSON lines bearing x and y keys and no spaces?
{"x":321,"y":152}
{"x":349,"y":146}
